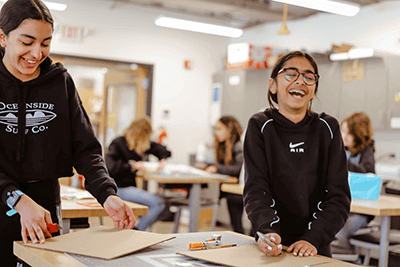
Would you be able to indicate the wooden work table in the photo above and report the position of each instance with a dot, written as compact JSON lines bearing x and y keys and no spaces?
{"x":232,"y":188}
{"x":163,"y":254}
{"x":183,"y":174}
{"x":385,"y":206}
{"x":83,"y":208}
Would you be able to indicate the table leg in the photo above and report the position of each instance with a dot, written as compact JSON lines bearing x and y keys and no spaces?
{"x":66,"y":225}
{"x":384,"y":242}
{"x":194,"y":206}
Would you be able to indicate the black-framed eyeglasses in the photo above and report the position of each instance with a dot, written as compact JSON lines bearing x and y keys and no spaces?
{"x":292,"y":74}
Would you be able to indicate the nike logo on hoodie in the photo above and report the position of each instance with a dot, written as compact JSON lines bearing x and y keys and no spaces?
{"x":294,"y":148}
{"x":295,"y":145}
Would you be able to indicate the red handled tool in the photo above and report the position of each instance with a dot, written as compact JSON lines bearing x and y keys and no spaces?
{"x":53,"y":227}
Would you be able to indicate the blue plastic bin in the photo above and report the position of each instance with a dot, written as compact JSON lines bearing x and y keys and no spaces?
{"x":365,"y":186}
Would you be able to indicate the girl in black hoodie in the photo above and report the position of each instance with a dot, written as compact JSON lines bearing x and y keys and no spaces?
{"x":296,"y":189}
{"x":44,"y":133}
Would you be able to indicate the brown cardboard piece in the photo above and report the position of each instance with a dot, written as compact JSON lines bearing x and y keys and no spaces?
{"x":103,"y":242}
{"x":251,"y":255}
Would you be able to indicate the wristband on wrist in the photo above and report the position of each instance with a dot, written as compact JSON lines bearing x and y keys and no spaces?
{"x":12,"y":200}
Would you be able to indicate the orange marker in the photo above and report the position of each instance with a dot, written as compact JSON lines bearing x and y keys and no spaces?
{"x":197,"y":245}
{"x":207,"y":244}
{"x":53,"y":227}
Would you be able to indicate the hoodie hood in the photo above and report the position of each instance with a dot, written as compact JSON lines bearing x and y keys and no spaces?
{"x":21,"y":91}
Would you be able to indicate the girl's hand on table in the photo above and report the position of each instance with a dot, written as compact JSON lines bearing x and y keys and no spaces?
{"x":119,"y":212}
{"x":302,"y":248}
{"x":211,"y":169}
{"x":201,"y":165}
{"x":34,"y":220}
{"x":137,"y":166}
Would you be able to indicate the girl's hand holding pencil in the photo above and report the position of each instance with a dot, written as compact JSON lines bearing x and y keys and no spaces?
{"x":270,"y":243}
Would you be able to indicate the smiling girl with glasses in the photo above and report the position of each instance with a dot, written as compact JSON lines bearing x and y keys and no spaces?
{"x":296,"y":190}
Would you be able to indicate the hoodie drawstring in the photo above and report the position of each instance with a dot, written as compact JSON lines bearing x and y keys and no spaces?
{"x":21,"y":98}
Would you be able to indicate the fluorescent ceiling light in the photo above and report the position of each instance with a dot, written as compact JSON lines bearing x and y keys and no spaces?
{"x":198,"y":27}
{"x":51,"y":5}
{"x":339,"y":56}
{"x":336,"y":7}
{"x":353,"y":54}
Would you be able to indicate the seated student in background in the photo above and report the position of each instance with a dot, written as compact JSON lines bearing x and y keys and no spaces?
{"x":296,"y":190}
{"x":229,"y":160}
{"x":124,"y":159}
{"x":357,"y":138}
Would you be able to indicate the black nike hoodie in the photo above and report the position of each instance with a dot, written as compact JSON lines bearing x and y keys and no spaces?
{"x":296,"y":177}
{"x":53,"y":136}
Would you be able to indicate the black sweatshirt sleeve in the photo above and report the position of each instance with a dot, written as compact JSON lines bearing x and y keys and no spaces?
{"x":257,"y":194}
{"x":334,"y":208}
{"x":159,"y":151}
{"x":87,"y":151}
{"x":6,"y":185}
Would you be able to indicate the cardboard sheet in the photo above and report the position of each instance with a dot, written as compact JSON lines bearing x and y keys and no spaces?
{"x":251,"y":255}
{"x":103,"y":242}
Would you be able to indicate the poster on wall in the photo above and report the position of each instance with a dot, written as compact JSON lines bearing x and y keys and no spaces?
{"x":247,"y":56}
{"x":215,"y":107}
{"x":353,"y":71}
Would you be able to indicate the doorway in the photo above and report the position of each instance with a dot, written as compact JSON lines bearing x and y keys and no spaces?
{"x":121,"y":109}
{"x":113,"y":93}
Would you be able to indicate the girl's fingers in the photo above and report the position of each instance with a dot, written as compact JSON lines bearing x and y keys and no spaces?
{"x":24,"y":234}
{"x":32,"y":235}
{"x":40,"y":235}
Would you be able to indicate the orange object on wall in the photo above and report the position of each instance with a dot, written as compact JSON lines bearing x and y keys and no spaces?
{"x":246,"y":56}
{"x":188,"y":64}
{"x":162,"y":136}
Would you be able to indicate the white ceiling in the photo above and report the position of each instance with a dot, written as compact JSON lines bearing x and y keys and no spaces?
{"x":235,"y":13}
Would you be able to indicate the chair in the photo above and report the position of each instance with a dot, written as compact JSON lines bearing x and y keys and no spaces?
{"x":371,"y":240}
{"x":184,"y":204}
{"x":177,"y":204}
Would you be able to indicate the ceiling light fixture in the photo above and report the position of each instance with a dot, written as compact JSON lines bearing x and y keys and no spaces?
{"x":284,"y":29}
{"x":336,"y":7}
{"x":353,"y":54}
{"x":51,"y":5}
{"x":198,"y":27}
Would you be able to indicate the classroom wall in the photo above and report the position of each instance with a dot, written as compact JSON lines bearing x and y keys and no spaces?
{"x":128,"y":33}
{"x":374,"y":26}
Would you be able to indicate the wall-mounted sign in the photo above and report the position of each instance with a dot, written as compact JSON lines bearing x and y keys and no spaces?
{"x":72,"y":33}
{"x":215,"y":107}
{"x":234,"y":80}
{"x":246,"y":56}
{"x":397,"y":97}
{"x":353,"y":71}
{"x":395,"y":123}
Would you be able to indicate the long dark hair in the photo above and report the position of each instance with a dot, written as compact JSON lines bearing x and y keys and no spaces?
{"x":272,"y":98}
{"x":224,"y":150}
{"x":14,"y":12}
{"x":360,"y":128}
